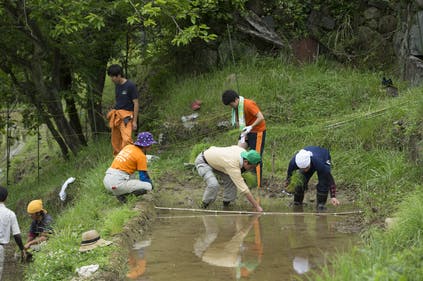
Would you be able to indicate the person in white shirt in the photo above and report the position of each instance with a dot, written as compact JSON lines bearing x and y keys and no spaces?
{"x":8,"y":225}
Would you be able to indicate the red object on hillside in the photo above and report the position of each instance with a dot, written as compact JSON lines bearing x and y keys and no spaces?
{"x":305,"y":50}
{"x":196,"y":105}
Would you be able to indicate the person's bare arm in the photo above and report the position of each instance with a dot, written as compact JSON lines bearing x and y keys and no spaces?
{"x":36,"y":240}
{"x":259,"y":119}
{"x":254,"y":202}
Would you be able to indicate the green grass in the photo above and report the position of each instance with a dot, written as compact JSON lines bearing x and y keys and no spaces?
{"x":88,"y":206}
{"x":369,"y":134}
{"x":373,"y":141}
{"x":394,"y":254}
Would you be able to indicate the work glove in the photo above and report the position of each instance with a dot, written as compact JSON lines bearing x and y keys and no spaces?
{"x":243,"y":135}
{"x":247,"y":129}
{"x":286,"y":192}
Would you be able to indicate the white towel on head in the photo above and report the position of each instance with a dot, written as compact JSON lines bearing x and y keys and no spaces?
{"x":302,"y":159}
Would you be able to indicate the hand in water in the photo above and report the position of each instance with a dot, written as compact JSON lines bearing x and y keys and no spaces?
{"x":334,"y":201}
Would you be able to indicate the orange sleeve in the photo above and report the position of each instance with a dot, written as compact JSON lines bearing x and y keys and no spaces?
{"x":142,"y":162}
{"x":250,"y":110}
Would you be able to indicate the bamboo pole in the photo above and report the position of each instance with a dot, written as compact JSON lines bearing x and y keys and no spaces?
{"x":260,"y":213}
{"x":199,"y":216}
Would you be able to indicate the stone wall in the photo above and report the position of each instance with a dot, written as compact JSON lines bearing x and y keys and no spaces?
{"x":381,"y":34}
{"x":363,"y":38}
{"x":409,"y":42}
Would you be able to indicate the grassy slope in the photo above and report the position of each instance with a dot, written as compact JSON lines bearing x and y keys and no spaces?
{"x":319,"y":104}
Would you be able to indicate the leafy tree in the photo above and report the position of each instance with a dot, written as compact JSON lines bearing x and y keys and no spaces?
{"x":55,"y":53}
{"x":168,"y":25}
{"x":55,"y":57}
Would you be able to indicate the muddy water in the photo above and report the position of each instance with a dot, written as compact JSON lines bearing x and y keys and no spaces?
{"x":13,"y":269}
{"x":194,"y":246}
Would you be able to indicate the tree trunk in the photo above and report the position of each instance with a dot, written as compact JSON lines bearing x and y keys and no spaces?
{"x":94,"y":105}
{"x":51,"y":99}
{"x":74,"y":119}
{"x":63,"y":81}
{"x":55,"y":109}
{"x":45,"y":119}
{"x":56,"y":135}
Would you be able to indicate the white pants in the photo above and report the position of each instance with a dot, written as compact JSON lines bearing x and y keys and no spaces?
{"x":119,"y":182}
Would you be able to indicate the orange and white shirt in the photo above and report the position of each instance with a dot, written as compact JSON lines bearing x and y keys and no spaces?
{"x":130,"y":159}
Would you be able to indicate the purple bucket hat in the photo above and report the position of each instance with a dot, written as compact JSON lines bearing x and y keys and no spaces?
{"x":145,"y":139}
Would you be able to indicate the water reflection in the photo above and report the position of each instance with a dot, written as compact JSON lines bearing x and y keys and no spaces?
{"x":309,"y":242}
{"x":137,"y":261}
{"x":234,"y":247}
{"x":300,"y":265}
{"x":223,"y":245}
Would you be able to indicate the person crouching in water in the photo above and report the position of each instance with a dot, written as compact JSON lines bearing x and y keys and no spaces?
{"x":228,"y":163}
{"x":309,"y":160}
{"x":130,"y":159}
{"x":41,"y":226}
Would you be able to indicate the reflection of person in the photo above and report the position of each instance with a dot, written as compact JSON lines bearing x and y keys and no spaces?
{"x":137,"y":261}
{"x":247,"y":115}
{"x":8,"y":225}
{"x":300,"y":265}
{"x":130,"y":159}
{"x":123,"y":118}
{"x":305,"y":242}
{"x":309,"y":160}
{"x":228,"y":162}
{"x":41,"y":226}
{"x":234,"y":253}
{"x":300,"y":240}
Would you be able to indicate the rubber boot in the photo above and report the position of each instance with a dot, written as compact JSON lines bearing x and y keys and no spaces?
{"x":204,"y":205}
{"x":321,"y":199}
{"x":139,"y":192}
{"x":122,"y":198}
{"x":226,"y":203}
{"x":298,"y":195}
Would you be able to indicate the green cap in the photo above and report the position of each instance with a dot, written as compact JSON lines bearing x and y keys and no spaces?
{"x":252,"y":156}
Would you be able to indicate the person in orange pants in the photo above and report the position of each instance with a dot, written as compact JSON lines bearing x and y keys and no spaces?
{"x":247,"y":116}
{"x":123,"y":117}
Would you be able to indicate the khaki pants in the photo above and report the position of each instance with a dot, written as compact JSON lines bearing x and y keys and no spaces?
{"x":119,"y":183}
{"x":209,"y":176}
